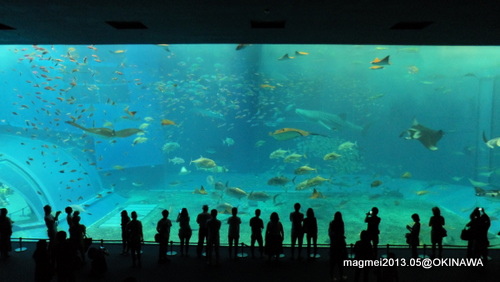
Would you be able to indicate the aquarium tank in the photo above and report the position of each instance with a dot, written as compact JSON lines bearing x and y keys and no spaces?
{"x":106,"y":128}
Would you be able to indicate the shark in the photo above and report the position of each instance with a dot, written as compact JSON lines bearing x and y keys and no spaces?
{"x":329,"y":121}
{"x":428,"y":137}
{"x":107,"y":132}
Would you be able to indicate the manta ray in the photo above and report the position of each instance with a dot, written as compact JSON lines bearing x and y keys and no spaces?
{"x":492,"y":143}
{"x":106,"y":132}
{"x":329,"y":121}
{"x":428,"y":137}
{"x":290,"y":133}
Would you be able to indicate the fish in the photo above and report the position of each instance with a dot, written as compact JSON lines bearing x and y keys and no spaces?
{"x":304,"y":170}
{"x":406,"y":175}
{"x":278,"y":154}
{"x":290,"y":133}
{"x":176,"y":160}
{"x":228,"y":141}
{"x":259,"y":196}
{"x":137,"y":184}
{"x":167,"y":122}
{"x":235,"y":192}
{"x":220,"y":186}
{"x":487,"y":193}
{"x":208,"y":113}
{"x":224,"y":208}
{"x":200,"y":191}
{"x":346,"y":146}
{"x":376,"y":67}
{"x":285,"y":57}
{"x":421,"y":192}
{"x":202,"y":162}
{"x":311,"y":182}
{"x":279,"y":181}
{"x":293,"y":158}
{"x":259,"y":143}
{"x":106,"y":132}
{"x":492,"y":143}
{"x":331,"y":156}
{"x":329,"y":121}
{"x":300,"y":53}
{"x":170,"y":146}
{"x":428,"y":137}
{"x":376,"y":183}
{"x":139,"y":140}
{"x":381,"y":62}
{"x":316,"y":195}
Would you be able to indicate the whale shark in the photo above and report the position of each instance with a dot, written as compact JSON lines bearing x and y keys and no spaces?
{"x":330,"y":121}
{"x":106,"y":132}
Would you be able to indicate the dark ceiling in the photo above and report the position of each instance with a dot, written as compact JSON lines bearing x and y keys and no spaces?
{"x":414,"y":22}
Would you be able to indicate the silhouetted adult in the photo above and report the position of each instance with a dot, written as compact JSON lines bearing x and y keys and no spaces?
{"x":373,"y":222}
{"x":338,"y":246}
{"x":213,"y":237}
{"x":233,"y":233}
{"x":414,"y":235}
{"x":185,"y":231}
{"x":296,"y":217}
{"x":51,"y":222}
{"x":311,"y":231}
{"x":98,"y":265}
{"x":275,"y":235}
{"x":135,"y":239}
{"x":125,"y":219}
{"x":64,"y":257}
{"x":437,"y":231}
{"x":481,"y":241}
{"x":77,"y":232}
{"x":69,"y":217}
{"x":256,"y":225}
{"x":363,"y":250}
{"x":202,"y":219}
{"x":472,"y":227}
{"x":5,"y":233}
{"x":44,"y":270}
{"x":163,"y":228}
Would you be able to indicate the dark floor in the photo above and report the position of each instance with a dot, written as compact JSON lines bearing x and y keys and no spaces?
{"x":20,"y":267}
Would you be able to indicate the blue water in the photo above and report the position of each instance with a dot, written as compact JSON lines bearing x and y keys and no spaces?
{"x":224,"y":104}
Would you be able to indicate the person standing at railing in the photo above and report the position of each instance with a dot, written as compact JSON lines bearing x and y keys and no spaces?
{"x":135,"y":239}
{"x":163,"y":228}
{"x":437,"y":231}
{"x":202,"y":219}
{"x":51,"y":223}
{"x":373,"y":231}
{"x":5,"y":233}
{"x":125,"y":219}
{"x":185,"y":230}
{"x":257,"y":225}
{"x":414,"y":239}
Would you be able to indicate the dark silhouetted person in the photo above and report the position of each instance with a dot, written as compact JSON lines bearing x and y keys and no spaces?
{"x":256,"y":225}
{"x":311,"y":231}
{"x":472,"y":227}
{"x":5,"y":233}
{"x":51,"y":222}
{"x":274,"y":236}
{"x":125,"y":219}
{"x":338,"y":246}
{"x":64,"y":257}
{"x":69,"y":217}
{"x":482,"y":243}
{"x":202,"y":219}
{"x":437,"y":231}
{"x":213,"y":237}
{"x":414,"y":240}
{"x":44,"y":270}
{"x":77,"y":232}
{"x":135,"y":239}
{"x":296,"y":217}
{"x":185,"y":230}
{"x":373,"y":222}
{"x":98,"y":265}
{"x":163,"y":228}
{"x":233,"y":233}
{"x":363,"y":250}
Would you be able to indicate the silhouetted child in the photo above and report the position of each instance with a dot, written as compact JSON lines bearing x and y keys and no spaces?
{"x":256,"y":225}
{"x":437,"y":231}
{"x":311,"y":231}
{"x":414,"y":239}
{"x":373,"y":222}
{"x":296,"y":217}
{"x":233,"y":234}
{"x":363,"y":250}
{"x":274,"y":236}
{"x":77,"y":232}
{"x":163,"y":228}
{"x":213,"y":238}
{"x":44,"y":270}
{"x":338,"y":246}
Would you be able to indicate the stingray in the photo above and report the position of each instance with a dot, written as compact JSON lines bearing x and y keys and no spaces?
{"x":428,"y":137}
{"x":381,"y":62}
{"x":106,"y":132}
{"x":290,"y":133}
